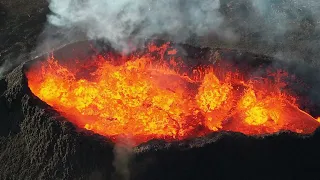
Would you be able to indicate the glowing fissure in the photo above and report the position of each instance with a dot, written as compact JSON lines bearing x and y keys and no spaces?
{"x":146,"y":98}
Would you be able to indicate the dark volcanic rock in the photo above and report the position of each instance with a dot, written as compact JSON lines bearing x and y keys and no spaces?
{"x":232,"y":156}
{"x":21,"y":22}
{"x":41,"y":144}
{"x":3,"y":14}
{"x":38,"y":143}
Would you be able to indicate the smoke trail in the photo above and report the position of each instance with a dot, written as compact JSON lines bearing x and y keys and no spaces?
{"x":10,"y":63}
{"x":4,"y":67}
{"x":123,"y":153}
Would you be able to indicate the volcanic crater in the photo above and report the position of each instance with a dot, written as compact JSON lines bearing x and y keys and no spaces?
{"x":265,"y":124}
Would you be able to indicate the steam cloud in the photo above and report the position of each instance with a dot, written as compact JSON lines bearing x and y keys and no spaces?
{"x":248,"y":22}
{"x":122,"y":21}
{"x":288,"y":29}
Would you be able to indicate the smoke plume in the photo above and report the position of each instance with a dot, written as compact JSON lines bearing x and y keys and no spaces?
{"x":124,"y":21}
{"x":283,"y":28}
{"x":123,"y":153}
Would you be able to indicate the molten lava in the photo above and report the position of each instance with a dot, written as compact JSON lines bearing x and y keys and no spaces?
{"x":144,"y":97}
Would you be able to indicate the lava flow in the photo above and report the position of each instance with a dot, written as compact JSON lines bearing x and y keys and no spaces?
{"x":145,"y":97}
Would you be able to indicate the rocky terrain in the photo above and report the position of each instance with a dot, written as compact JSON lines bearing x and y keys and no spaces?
{"x":21,"y":23}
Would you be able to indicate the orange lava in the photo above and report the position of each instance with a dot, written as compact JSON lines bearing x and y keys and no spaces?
{"x":145,"y":98}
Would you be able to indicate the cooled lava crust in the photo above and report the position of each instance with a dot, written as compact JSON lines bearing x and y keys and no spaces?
{"x":38,"y":143}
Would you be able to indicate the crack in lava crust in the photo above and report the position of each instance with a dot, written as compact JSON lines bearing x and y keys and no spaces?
{"x":145,"y":97}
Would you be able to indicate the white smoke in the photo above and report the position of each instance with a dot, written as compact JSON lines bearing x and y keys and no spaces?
{"x":289,"y":27}
{"x":123,"y":153}
{"x":269,"y":23}
{"x":4,"y":67}
{"x":122,"y":21}
{"x":285,"y":16}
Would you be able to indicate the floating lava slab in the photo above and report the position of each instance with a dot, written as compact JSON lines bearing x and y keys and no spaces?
{"x":255,"y":126}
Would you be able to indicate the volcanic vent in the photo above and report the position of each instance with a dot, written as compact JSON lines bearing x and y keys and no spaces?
{"x":158,"y":93}
{"x":214,"y":111}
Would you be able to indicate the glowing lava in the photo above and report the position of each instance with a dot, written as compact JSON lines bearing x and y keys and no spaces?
{"x":145,"y":98}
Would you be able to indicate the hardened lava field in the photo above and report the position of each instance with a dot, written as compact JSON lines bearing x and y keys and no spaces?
{"x":144,"y":97}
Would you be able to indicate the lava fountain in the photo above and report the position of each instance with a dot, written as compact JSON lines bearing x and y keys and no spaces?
{"x":156,"y":95}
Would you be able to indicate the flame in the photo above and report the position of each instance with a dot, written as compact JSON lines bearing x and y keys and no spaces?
{"x":145,"y":98}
